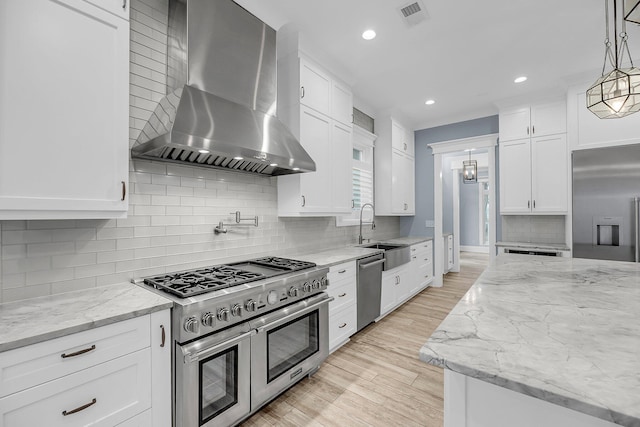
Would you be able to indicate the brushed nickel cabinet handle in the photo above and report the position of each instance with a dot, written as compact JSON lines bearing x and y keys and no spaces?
{"x":342,"y":271}
{"x":528,"y":204}
{"x":78,"y":353}
{"x":527,"y":130}
{"x":301,"y":92}
{"x":353,"y":203}
{"x":533,"y":130}
{"x":164,"y":336}
{"x":80,"y":408}
{"x":304,"y":201}
{"x":342,"y":326}
{"x":342,"y":295}
{"x":124,"y":190}
{"x":534,"y":204}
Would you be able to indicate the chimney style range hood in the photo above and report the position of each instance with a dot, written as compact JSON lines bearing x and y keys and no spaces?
{"x":221,"y":103}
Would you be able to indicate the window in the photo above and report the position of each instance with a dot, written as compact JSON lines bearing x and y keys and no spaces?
{"x":362,"y":179}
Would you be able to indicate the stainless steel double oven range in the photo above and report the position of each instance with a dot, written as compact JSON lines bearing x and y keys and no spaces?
{"x":244,"y":333}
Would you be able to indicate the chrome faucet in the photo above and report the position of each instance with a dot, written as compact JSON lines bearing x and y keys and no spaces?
{"x":373,"y":223}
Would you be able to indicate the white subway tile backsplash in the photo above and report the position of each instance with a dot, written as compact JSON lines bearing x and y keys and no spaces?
{"x":172,"y":208}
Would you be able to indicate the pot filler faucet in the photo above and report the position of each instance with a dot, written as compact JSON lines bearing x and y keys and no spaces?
{"x":373,"y":223}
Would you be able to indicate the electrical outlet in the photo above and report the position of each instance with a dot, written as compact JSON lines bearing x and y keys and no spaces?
{"x":429,"y":223}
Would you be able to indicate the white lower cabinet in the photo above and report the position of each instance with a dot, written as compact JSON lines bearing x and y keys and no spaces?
{"x":396,"y":288}
{"x":343,"y":312}
{"x":421,"y":266}
{"x":107,"y":376}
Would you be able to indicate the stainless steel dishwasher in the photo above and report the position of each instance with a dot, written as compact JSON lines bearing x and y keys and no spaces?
{"x":369,"y":280}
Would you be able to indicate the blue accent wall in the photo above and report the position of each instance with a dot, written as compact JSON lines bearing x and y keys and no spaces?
{"x":415,"y":225}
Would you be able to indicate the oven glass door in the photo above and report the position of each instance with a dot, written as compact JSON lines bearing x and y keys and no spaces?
{"x":218,"y":383}
{"x":291,"y":343}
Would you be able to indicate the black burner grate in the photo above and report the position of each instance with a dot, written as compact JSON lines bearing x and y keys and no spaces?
{"x":208,"y":279}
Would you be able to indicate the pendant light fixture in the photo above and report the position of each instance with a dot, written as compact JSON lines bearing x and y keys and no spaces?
{"x":617,"y":93}
{"x":469,"y":171}
{"x":632,"y":11}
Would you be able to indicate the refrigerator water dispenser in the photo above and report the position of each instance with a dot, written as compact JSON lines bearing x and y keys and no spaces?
{"x":607,"y":231}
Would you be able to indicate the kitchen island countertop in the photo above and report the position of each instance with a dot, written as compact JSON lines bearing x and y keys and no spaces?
{"x":39,"y":319}
{"x":559,"y":329}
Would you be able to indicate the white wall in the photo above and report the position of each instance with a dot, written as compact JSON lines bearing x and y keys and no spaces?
{"x":172,"y":209}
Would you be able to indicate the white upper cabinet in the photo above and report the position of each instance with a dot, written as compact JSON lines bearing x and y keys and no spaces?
{"x":534,"y":163}
{"x":402,"y":139}
{"x":317,"y":109}
{"x":394,"y":169}
{"x":315,"y":87}
{"x":64,"y":109}
{"x":533,"y":121}
{"x":341,"y":103}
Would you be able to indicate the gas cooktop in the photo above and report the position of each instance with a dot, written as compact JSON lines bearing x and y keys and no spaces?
{"x":189,"y":283}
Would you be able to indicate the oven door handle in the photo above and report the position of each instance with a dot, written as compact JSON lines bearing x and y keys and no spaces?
{"x":195,"y":356}
{"x":293,"y":315}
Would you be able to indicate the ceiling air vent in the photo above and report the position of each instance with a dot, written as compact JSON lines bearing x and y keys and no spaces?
{"x":413,"y":13}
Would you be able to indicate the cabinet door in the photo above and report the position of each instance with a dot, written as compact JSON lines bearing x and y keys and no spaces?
{"x":341,"y":103}
{"x":514,"y":124}
{"x":409,"y":186}
{"x":398,"y":136}
{"x":549,"y":177}
{"x":315,"y":88}
{"x":388,"y":295}
{"x":398,"y":192}
{"x":410,"y":141}
{"x":341,"y":164}
{"x":548,"y":119}
{"x":64,"y":97}
{"x":315,"y":136}
{"x":515,"y":176}
{"x":405,"y":285}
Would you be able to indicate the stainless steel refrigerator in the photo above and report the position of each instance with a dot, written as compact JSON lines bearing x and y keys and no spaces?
{"x":606,"y":190}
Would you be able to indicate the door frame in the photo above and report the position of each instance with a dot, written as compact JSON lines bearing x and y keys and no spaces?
{"x":439,"y":149}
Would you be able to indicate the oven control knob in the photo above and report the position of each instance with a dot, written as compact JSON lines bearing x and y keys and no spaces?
{"x":236,"y":310}
{"x":251,"y":305}
{"x":223,"y":314}
{"x":207,"y":319}
{"x":293,"y":292}
{"x":306,"y":287}
{"x":191,"y":325}
{"x":316,"y":284}
{"x":272,"y":297}
{"x":323,"y":281}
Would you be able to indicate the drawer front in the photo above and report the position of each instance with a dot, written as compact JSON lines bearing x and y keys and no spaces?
{"x":342,"y":325}
{"x":38,"y":363}
{"x":425,"y":272}
{"x":140,"y":420}
{"x":342,"y":272}
{"x":120,"y":389}
{"x":344,"y":296}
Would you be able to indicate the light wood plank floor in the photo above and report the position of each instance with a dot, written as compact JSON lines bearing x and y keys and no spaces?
{"x":376,"y":379}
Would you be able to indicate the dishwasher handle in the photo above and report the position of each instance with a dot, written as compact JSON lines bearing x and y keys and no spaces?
{"x":371,"y":264}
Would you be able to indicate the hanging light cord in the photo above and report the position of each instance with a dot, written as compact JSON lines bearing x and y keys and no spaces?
{"x":615,"y":59}
{"x":624,"y":46}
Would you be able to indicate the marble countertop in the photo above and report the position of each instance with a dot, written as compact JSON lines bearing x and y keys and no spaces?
{"x":559,"y":329}
{"x":40,"y":319}
{"x":541,"y":246}
{"x":331,"y":257}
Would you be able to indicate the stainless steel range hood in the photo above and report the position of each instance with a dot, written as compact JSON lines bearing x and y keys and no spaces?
{"x":221,"y":103}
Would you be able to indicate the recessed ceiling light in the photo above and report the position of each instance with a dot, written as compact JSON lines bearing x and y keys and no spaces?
{"x":203,"y":151}
{"x":430,"y":102}
{"x":238,"y":158}
{"x":369,"y":35}
{"x":520,"y":79}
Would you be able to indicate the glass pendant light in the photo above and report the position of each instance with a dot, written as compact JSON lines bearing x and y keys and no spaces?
{"x":617,"y":93}
{"x":632,"y":11}
{"x":469,"y":171}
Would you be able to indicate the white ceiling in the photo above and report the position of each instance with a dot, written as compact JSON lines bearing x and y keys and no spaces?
{"x":465,"y":55}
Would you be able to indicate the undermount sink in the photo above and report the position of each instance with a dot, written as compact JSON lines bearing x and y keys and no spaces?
{"x":383,"y":246}
{"x":394,"y":254}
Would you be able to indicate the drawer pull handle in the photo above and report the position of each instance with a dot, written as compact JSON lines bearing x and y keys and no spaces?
{"x":164,"y":336}
{"x":342,"y":271}
{"x":78,"y":353}
{"x":124,"y":191}
{"x":81,"y":408}
{"x":342,"y":295}
{"x":342,"y":326}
